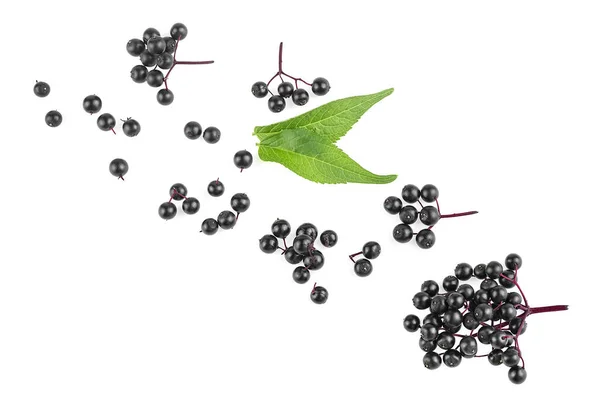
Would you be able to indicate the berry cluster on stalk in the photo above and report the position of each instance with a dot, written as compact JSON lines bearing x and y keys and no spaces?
{"x":158,"y":53}
{"x":276,"y":103}
{"x":301,"y":251}
{"x":178,"y":192}
{"x":226,"y":219}
{"x":429,"y":215}
{"x":42,"y":89}
{"x":490,"y":315}
{"x":363,"y":266}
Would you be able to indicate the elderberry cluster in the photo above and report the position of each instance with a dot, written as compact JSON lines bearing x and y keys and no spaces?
{"x":302,"y":251}
{"x":429,"y":215}
{"x":158,"y":52}
{"x":226,"y":219}
{"x":363,"y":266}
{"x":260,"y":89}
{"x":92,"y":104}
{"x":178,"y":192}
{"x":491,"y":315}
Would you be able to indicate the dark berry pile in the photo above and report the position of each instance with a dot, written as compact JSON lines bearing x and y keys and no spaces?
{"x":429,"y":215}
{"x":286,"y":89}
{"x":159,"y":54}
{"x":490,"y":315}
{"x":301,"y":251}
{"x":363,"y":266}
{"x":226,"y":219}
{"x":193,"y":131}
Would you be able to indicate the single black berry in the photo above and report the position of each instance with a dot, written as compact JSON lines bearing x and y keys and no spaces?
{"x":320,"y":86}
{"x":479,"y":271}
{"x":215,"y":188}
{"x":392,"y":205}
{"x":410,"y":193}
{"x":191,"y":206}
{"x":495,"y":357}
{"x":429,"y":332}
{"x":210,"y":226}
{"x":429,"y":193}
{"x":285,"y":89}
{"x":281,"y":228}
{"x":425,"y":238}
{"x":300,"y":96}
{"x":513,"y":261}
{"x":211,"y":135}
{"x":432,"y":360}
{"x":106,"y":122}
{"x":430,"y":287}
{"x":468,"y":347}
{"x":139,"y":73}
{"x":421,"y":300}
{"x":240,"y":202}
{"x":165,"y":60}
{"x":319,"y":295}
{"x":411,"y":323}
{"x":156,"y":45}
{"x":41,"y":89}
{"x":242,"y":159}
{"x":302,"y":243}
{"x":507,"y":279}
{"x":226,"y":219}
{"x":192,"y":130}
{"x":309,"y":229}
{"x":155,"y":78}
{"x":314,"y":260}
{"x":371,"y":250}
{"x":164,"y":96}
{"x":292,"y":256}
{"x":178,"y":191}
{"x":427,"y":346}
{"x":429,"y":215}
{"x":463,"y":271}
{"x":517,"y":374}
{"x":408,"y":214}
{"x":118,"y":168}
{"x":493,"y":269}
{"x":268,"y":244}
{"x":402,"y":233}
{"x":92,"y":104}
{"x":148,"y":59}
{"x":445,"y":340}
{"x":131,"y":127}
{"x":483,"y":312}
{"x":171,"y":43}
{"x":510,"y":357}
{"x":516,"y":326}
{"x":438,"y":304}
{"x":53,"y":118}
{"x":329,"y":238}
{"x":301,"y":275}
{"x":363,"y":267}
{"x":466,"y":290}
{"x":450,"y":283}
{"x":276,"y":103}
{"x":455,"y":300}
{"x":484,"y":334}
{"x":452,"y":358}
{"x":135,"y":47}
{"x":259,"y":89}
{"x":167,"y":210}
{"x":178,"y":31}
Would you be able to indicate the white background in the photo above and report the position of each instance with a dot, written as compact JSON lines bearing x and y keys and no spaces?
{"x":101,"y":301}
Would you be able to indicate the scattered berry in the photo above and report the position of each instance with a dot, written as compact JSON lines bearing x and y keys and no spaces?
{"x":131,"y":127}
{"x":209,"y":226}
{"x":320,"y":86}
{"x":240,"y":202}
{"x":165,"y":97}
{"x":281,"y":228}
{"x":268,"y":244}
{"x":216,"y":188}
{"x":135,"y":47}
{"x":226,"y":219}
{"x":242,"y":159}
{"x":118,"y":168}
{"x":41,"y":89}
{"x":167,"y":210}
{"x":319,"y":294}
{"x":211,"y":135}
{"x":285,"y":89}
{"x":371,"y":250}
{"x":259,"y":89}
{"x":106,"y":122}
{"x":191,"y":206}
{"x":363,"y":267}
{"x":276,"y":103}
{"x":139,"y":73}
{"x":192,"y":130}
{"x":301,"y":275}
{"x":92,"y":104}
{"x":53,"y":119}
{"x":392,"y":205}
{"x":329,"y":238}
{"x":300,"y":96}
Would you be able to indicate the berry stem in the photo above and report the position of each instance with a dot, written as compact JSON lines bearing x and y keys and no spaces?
{"x":285,"y":244}
{"x":113,"y":131}
{"x":186,"y":62}
{"x":121,"y":177}
{"x":548,"y":309}
{"x":280,"y":58}
{"x":514,"y":281}
{"x":472,"y":212}
{"x":314,"y":287}
{"x":351,"y":256}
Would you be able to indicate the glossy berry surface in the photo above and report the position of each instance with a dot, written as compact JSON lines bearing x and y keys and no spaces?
{"x":53,"y":119}
{"x":106,"y":122}
{"x":371,"y":250}
{"x":319,"y":295}
{"x":155,"y":78}
{"x":240,"y":202}
{"x":156,"y":45}
{"x":301,"y":275}
{"x":165,"y":97}
{"x":309,"y":229}
{"x":517,"y":374}
{"x":211,"y":135}
{"x":192,"y":130}
{"x":432,"y":360}
{"x":259,"y":89}
{"x":178,"y":31}
{"x":148,"y":59}
{"x":425,"y":239}
{"x":150,"y":33}
{"x":429,"y":215}
{"x":329,"y":238}
{"x":314,"y":260}
{"x":178,"y":191}
{"x":410,"y":193}
{"x":276,"y":103}
{"x":463,"y":271}
{"x":242,"y":159}
{"x":215,"y":188}
{"x":320,"y":86}
{"x":363,"y":267}
{"x":131,"y":127}
{"x":513,"y":261}
{"x":285,"y":89}
{"x":226,"y":219}
{"x":165,"y":60}
{"x":300,"y":96}
{"x":118,"y":167}
{"x":402,"y":233}
{"x":92,"y":104}
{"x":452,"y":358}
{"x":292,"y":257}
{"x":281,"y":228}
{"x":135,"y":47}
{"x":392,"y":205}
{"x":408,"y":214}
{"x":139,"y":73}
{"x":429,"y":193}
{"x":302,"y":243}
{"x":41,"y":89}
{"x":210,"y":226}
{"x":167,"y":210}
{"x":411,"y":323}
{"x":171,"y":43}
{"x":268,"y":244}
{"x":191,"y":206}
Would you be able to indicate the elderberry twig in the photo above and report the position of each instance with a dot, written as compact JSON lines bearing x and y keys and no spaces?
{"x":178,"y":62}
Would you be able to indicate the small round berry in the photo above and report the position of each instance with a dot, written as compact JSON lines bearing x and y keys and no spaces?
{"x":452,"y":358}
{"x":92,"y":104}
{"x":314,"y":261}
{"x":292,"y":256}
{"x":150,"y":33}
{"x":425,"y":239}
{"x":445,"y":340}
{"x":498,"y":294}
{"x":463,"y":271}
{"x":495,"y":357}
{"x":319,"y":295}
{"x":139,"y":73}
{"x":488,"y":284}
{"x":178,"y":31}
{"x":432,"y":360}
{"x":167,"y":210}
{"x":192,"y":130}
{"x":510,"y":357}
{"x":242,"y":159}
{"x":485,"y":334}
{"x":276,"y":103}
{"x":268,"y":243}
{"x":429,"y":193}
{"x":402,"y":233}
{"x":226,"y":219}
{"x":320,"y":86}
{"x":433,"y":319}
{"x":155,"y":78}
{"x":470,"y":322}
{"x":309,"y":229}
{"x":41,"y":89}
{"x":131,"y":127}
{"x":468,"y":347}
{"x":483,"y":312}
{"x":135,"y":47}
{"x":329,"y":238}
{"x":452,"y":318}
{"x":450,"y":283}
{"x":240,"y":202}
{"x":165,"y":60}
{"x":467,"y":291}
{"x":300,"y":96}
{"x":481,"y":296}
{"x":281,"y":228}
{"x":438,"y":305}
{"x":211,"y":135}
{"x":215,"y":188}
{"x":411,"y":323}
{"x":363,"y":267}
{"x":455,"y":300}
{"x":371,"y":250}
{"x":259,"y":89}
{"x":517,"y":374}
{"x":178,"y":191}
{"x":429,"y":332}
{"x":408,"y":214}
{"x":165,"y":97}
{"x":427,"y":346}
{"x":392,"y":205}
{"x":302,"y":243}
{"x":507,"y":283}
{"x":493,"y":269}
{"x":430,"y":287}
{"x":209,"y":226}
{"x":514,"y":298}
{"x":148,"y":59}
{"x":106,"y":122}
{"x":191,"y":206}
{"x":479,"y":271}
{"x":513,"y":261}
{"x":500,"y":339}
{"x":301,"y":275}
{"x":429,"y":215}
{"x":285,"y":89}
{"x":515,"y":327}
{"x":156,"y":45}
{"x":421,"y":300}
{"x":53,"y":119}
{"x":410,"y":193}
{"x":118,"y":168}
{"x":171,"y":44}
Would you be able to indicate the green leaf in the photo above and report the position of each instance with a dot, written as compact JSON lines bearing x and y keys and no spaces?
{"x":315,"y":158}
{"x":330,"y":121}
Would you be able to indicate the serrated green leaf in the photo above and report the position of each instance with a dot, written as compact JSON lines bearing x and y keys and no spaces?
{"x":315,"y":158}
{"x":330,"y":121}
